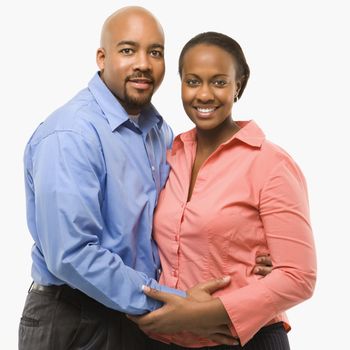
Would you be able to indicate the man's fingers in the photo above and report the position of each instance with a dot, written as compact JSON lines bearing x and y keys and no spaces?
{"x":262,"y":270}
{"x":132,"y":318}
{"x":144,"y":321}
{"x":264,"y":260}
{"x":263,"y":265}
{"x":215,"y":284}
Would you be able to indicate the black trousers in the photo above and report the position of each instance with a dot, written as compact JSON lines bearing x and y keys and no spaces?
{"x":66,"y":319}
{"x":272,"y":337}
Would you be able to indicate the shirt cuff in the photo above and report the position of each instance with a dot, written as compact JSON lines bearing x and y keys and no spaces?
{"x":178,"y":292}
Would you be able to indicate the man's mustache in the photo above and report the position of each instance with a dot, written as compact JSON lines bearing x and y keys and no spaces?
{"x":140,"y":75}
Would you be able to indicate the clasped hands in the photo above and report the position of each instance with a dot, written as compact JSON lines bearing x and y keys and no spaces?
{"x":199,"y":313}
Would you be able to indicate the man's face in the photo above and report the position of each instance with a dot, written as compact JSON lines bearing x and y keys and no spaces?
{"x":131,"y":60}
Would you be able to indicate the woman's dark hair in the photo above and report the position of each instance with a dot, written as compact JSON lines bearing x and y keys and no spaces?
{"x":226,"y":43}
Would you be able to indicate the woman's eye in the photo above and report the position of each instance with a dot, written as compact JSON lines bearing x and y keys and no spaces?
{"x":192,"y":82}
{"x":220,"y":83}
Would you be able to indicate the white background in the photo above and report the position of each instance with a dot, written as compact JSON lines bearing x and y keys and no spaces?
{"x":299,"y":56}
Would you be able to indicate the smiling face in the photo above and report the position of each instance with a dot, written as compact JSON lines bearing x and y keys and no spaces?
{"x":131,"y":58}
{"x":209,"y":85}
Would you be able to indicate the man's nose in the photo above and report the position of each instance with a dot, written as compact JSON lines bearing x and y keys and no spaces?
{"x":142,"y":61}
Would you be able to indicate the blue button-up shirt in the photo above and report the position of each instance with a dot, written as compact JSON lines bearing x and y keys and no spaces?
{"x":92,"y":181}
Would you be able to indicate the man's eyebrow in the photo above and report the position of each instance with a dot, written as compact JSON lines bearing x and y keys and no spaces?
{"x":157,"y":46}
{"x":127,"y":42}
{"x":134,"y":43}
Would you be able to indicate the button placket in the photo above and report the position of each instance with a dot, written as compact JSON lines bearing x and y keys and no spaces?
{"x":152,"y":161}
{"x":176,"y":244}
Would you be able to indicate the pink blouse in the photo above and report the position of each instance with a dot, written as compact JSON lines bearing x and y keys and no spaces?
{"x":249,"y":198}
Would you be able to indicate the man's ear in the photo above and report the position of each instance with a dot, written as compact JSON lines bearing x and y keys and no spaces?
{"x":100,"y":58}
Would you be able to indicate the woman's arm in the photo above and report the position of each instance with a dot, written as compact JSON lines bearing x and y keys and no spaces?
{"x":199,"y":313}
{"x":284,"y":211}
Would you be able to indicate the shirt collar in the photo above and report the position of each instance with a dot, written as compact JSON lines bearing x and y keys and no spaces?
{"x":115,"y":113}
{"x":250,"y":134}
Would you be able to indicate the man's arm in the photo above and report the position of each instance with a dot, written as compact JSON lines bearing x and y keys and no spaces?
{"x":68,"y":172}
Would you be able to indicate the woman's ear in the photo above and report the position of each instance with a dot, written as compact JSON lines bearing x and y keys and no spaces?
{"x":238,"y":89}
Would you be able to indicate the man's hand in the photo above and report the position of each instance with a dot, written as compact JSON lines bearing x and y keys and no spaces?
{"x":263,"y":265}
{"x":199,"y":313}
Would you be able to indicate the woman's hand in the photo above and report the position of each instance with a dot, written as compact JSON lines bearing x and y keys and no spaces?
{"x":203,"y":291}
{"x":199,"y":313}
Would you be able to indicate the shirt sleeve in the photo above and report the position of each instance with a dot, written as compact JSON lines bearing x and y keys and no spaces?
{"x":68,"y":172}
{"x":284,"y":212}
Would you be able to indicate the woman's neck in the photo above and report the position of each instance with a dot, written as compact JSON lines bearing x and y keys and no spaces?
{"x":209,"y":140}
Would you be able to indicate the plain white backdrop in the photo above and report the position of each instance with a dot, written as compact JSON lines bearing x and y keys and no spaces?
{"x":298,"y":52}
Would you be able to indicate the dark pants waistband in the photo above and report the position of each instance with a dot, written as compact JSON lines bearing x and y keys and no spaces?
{"x":61,"y":317}
{"x":45,"y":289}
{"x":70,"y":295}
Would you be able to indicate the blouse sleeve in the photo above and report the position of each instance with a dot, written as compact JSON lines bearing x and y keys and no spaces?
{"x":284,"y":212}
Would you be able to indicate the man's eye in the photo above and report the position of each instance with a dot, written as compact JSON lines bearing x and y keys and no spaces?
{"x":127,"y":51}
{"x":156,"y":53}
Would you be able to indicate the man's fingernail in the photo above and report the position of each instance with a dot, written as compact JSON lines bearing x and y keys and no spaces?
{"x":226,"y":278}
{"x":146,"y":288}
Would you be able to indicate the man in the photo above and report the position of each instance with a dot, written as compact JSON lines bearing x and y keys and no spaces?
{"x":93,"y":173}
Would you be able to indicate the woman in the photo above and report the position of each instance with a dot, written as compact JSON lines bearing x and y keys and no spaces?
{"x":231,"y":195}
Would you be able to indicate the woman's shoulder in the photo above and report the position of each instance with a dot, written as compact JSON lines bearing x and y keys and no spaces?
{"x":274,"y":154}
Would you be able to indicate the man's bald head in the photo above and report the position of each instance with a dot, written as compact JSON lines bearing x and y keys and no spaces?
{"x":131,"y":56}
{"x":129,"y":15}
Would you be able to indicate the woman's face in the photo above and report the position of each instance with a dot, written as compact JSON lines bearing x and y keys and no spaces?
{"x":208,"y":85}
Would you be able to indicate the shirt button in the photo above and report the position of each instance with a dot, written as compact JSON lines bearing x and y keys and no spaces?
{"x":177,"y":238}
{"x":175,"y":273}
{"x":153,"y":168}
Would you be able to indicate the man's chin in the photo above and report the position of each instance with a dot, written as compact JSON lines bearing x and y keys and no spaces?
{"x":138,"y":101}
